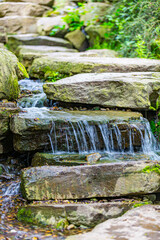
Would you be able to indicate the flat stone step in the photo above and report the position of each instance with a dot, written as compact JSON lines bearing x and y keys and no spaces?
{"x":70,"y":131}
{"x":22,"y":9}
{"x":41,"y":2}
{"x":19,"y":24}
{"x":123,"y":90}
{"x":74,"y":65}
{"x":28,"y":53}
{"x":139,"y":223}
{"x":80,"y":214}
{"x":32,"y":39}
{"x":82,"y":182}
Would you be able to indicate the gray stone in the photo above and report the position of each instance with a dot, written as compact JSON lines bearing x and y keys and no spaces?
{"x":41,"y":2}
{"x":21,"y":9}
{"x":62,"y":215}
{"x":32,"y":39}
{"x":99,"y":53}
{"x":3,"y":35}
{"x":140,"y":223}
{"x":72,"y":65}
{"x":93,"y":157}
{"x":31,"y":130}
{"x":81,"y":182}
{"x":124,"y":90}
{"x":78,"y":39}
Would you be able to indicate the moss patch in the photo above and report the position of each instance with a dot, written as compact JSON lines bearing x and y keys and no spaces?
{"x":154,"y":168}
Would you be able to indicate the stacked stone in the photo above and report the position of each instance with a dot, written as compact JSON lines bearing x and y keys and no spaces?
{"x":22,"y":16}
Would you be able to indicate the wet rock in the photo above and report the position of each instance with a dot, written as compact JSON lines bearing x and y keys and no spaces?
{"x":139,"y":223}
{"x":21,"y":9}
{"x":74,"y":65}
{"x":31,"y":132}
{"x":46,"y":24}
{"x":77,"y":214}
{"x":10,"y":71}
{"x":124,"y":90}
{"x":19,"y":24}
{"x":78,"y":39}
{"x":93,"y":158}
{"x":41,"y":159}
{"x":81,"y":182}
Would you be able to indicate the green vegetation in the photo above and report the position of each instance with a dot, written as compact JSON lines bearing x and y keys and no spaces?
{"x":52,"y":76}
{"x":141,"y":204}
{"x":134,"y":28}
{"x":56,"y":29}
{"x":154,"y":168}
{"x":23,"y":70}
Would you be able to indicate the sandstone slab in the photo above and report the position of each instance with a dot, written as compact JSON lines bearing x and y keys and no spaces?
{"x":19,"y":24}
{"x":140,"y":223}
{"x":123,"y":90}
{"x":41,"y":2}
{"x":57,"y":131}
{"x":62,"y":215}
{"x":89,"y":65}
{"x":78,"y":39}
{"x":21,"y":9}
{"x":81,"y":182}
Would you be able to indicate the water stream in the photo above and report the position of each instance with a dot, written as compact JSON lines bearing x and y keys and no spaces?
{"x":82,"y":135}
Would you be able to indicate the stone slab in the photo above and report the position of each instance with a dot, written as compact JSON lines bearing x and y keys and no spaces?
{"x":22,"y":9}
{"x":32,"y":129}
{"x":79,"y":214}
{"x":140,"y":223}
{"x":74,"y":65}
{"x":82,"y":182}
{"x":41,"y":2}
{"x":19,"y":24}
{"x":123,"y":90}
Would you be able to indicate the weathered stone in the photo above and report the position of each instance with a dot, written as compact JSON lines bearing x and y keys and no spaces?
{"x":140,"y":223}
{"x":93,"y":11}
{"x":19,"y":24}
{"x":3,"y":35}
{"x":93,"y":157}
{"x":32,"y":131}
{"x":88,"y":65}
{"x":46,"y":24}
{"x":81,"y":182}
{"x":31,"y":39}
{"x":41,"y":2}
{"x":41,"y":159}
{"x":99,"y":53}
{"x":124,"y":90}
{"x":78,"y":214}
{"x":27,"y":53}
{"x":10,"y":71}
{"x":21,"y":9}
{"x":78,"y":39}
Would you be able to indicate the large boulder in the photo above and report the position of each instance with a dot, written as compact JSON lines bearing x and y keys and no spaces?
{"x":123,"y":90}
{"x":78,"y":39}
{"x":72,"y":65}
{"x":19,"y":24}
{"x":46,"y":24}
{"x":10,"y":71}
{"x":82,"y":182}
{"x":41,"y":2}
{"x":140,"y":223}
{"x":22,"y":9}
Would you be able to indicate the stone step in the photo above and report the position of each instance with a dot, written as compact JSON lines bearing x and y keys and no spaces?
{"x":62,"y":215}
{"x":22,"y":9}
{"x":74,"y":65}
{"x":19,"y":24}
{"x":83,"y":182}
{"x":32,"y":39}
{"x":28,"y":53}
{"x":139,"y":223}
{"x":124,"y":90}
{"x":35,"y":130}
{"x":41,"y":2}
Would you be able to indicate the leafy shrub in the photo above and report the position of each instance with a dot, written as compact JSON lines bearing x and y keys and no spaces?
{"x":134,"y":27}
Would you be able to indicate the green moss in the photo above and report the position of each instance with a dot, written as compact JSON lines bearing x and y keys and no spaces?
{"x":25,"y":215}
{"x":62,"y":224}
{"x":23,"y":70}
{"x":154,"y":168}
{"x":12,"y":88}
{"x":141,"y":204}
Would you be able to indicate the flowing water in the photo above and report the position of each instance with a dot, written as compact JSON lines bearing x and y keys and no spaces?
{"x":82,"y":134}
